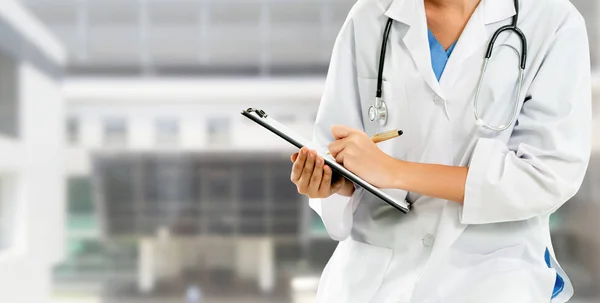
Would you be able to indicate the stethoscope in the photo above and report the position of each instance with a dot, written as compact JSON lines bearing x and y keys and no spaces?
{"x":379,"y":110}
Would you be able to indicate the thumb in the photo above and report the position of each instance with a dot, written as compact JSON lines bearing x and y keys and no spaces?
{"x":340,"y":131}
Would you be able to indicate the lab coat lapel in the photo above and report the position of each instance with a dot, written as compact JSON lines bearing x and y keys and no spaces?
{"x":497,"y":10}
{"x":412,"y":13}
{"x":476,"y":35}
{"x":473,"y":38}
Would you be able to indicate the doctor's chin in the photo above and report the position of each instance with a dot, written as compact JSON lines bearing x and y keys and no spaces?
{"x":128,"y":174}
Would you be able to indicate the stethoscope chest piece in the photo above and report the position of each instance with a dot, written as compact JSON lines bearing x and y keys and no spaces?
{"x":378,"y":112}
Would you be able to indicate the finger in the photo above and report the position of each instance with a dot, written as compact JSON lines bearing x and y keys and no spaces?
{"x":325,"y":186}
{"x":339,"y":157}
{"x":335,"y":177}
{"x":337,"y":183}
{"x":308,"y":170}
{"x":315,"y":181}
{"x":335,"y":187}
{"x":337,"y":146}
{"x":340,"y":131}
{"x":298,"y":166}
{"x":294,"y":157}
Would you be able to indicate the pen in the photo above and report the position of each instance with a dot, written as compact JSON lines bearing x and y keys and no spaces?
{"x":386,"y":135}
{"x":390,"y":134}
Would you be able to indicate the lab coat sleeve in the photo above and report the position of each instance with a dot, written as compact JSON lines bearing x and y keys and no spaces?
{"x":340,"y":105}
{"x":545,"y":159}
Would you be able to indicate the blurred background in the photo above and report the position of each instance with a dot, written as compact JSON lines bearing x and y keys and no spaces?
{"x":128,"y":175}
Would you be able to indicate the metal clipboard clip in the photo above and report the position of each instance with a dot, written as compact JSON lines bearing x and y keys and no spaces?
{"x":261,"y":113}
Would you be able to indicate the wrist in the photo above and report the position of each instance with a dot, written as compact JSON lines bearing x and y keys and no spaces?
{"x":396,"y":173}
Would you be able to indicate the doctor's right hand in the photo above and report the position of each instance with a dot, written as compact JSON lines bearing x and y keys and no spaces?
{"x":315,"y":179}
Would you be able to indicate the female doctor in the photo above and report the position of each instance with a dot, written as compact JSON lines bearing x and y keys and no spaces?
{"x":484,"y":159}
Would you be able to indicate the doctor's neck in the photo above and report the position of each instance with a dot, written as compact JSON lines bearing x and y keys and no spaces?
{"x":446,"y":19}
{"x":460,"y":5}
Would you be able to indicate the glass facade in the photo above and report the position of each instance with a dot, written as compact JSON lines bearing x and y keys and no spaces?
{"x":79,"y":196}
{"x":197,"y":194}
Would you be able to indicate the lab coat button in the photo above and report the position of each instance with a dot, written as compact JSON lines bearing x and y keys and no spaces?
{"x":428,"y":240}
{"x":439,"y":100}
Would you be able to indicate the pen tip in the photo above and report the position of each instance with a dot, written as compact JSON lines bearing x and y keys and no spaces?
{"x":400,"y":133}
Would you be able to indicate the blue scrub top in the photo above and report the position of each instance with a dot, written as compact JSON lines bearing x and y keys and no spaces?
{"x":439,"y":58}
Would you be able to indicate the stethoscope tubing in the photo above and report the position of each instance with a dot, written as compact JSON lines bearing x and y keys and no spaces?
{"x":379,"y":110}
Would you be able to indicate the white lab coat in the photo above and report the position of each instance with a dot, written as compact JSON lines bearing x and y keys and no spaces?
{"x":491,"y":248}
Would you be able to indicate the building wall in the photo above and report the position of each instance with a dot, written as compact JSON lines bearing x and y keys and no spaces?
{"x":193,"y":105}
{"x":31,"y":202}
{"x":43,"y":133}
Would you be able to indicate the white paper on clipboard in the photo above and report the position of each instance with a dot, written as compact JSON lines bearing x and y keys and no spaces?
{"x":262,"y":119}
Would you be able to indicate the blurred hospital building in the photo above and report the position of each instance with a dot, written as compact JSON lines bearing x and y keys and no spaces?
{"x":180,"y":186}
{"x":127,"y":171}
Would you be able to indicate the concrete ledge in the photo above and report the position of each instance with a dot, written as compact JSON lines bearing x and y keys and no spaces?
{"x":31,"y":28}
{"x":197,"y":91}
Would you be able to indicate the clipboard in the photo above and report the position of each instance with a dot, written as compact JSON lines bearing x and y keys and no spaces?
{"x":262,"y":119}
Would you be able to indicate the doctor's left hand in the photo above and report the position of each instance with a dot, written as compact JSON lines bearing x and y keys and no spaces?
{"x":358,"y":153}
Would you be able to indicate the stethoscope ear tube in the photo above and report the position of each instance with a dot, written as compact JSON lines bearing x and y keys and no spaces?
{"x":379,"y":110}
{"x":523,"y":47}
{"x":516,"y":30}
{"x":384,"y":42}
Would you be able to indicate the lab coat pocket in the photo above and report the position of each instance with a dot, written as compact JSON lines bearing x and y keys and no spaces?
{"x":354,"y":273}
{"x":495,"y":277}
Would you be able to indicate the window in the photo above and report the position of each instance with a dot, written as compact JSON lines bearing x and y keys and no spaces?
{"x":118,"y":193}
{"x":218,"y":178}
{"x":170,"y":181}
{"x":252,"y":182}
{"x":79,"y":190}
{"x":219,"y":198}
{"x":167,"y":132}
{"x":218,"y":131}
{"x":73,"y":130}
{"x":252,"y":193}
{"x":115,"y":132}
